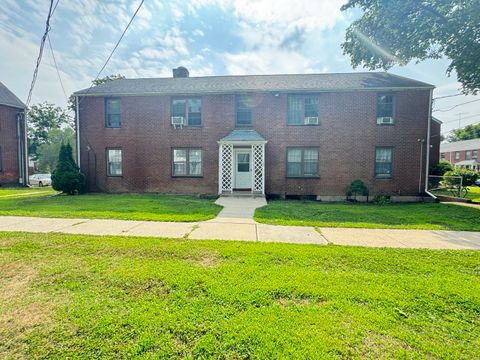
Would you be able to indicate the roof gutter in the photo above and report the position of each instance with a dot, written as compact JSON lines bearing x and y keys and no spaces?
{"x":427,"y":160}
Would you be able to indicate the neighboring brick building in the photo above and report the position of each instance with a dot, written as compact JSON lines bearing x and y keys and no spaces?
{"x":463,"y":154}
{"x":12,"y":139}
{"x":275,"y":134}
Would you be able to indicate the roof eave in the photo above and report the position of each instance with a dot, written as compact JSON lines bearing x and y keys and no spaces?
{"x":253,"y":91}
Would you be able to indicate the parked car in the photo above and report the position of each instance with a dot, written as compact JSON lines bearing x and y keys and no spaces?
{"x":477,"y":182}
{"x":40,"y":180}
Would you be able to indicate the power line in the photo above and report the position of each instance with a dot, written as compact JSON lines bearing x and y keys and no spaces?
{"x":56,"y":67}
{"x":464,"y":118}
{"x":449,"y":131}
{"x":447,"y":96}
{"x":116,"y":45}
{"x":39,"y":58}
{"x":455,"y":106}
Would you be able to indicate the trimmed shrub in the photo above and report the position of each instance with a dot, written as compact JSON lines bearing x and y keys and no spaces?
{"x":67,"y":176}
{"x":357,"y":187}
{"x":441,"y":168}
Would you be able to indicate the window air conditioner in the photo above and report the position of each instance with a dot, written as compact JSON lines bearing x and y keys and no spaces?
{"x":311,"y":120}
{"x":385,"y":120}
{"x":178,"y":121}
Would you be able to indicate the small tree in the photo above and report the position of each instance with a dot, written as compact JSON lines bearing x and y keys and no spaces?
{"x":357,"y":187}
{"x":468,"y":176}
{"x":67,"y":176}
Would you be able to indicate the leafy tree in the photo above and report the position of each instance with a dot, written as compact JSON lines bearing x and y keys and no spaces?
{"x":394,"y":32}
{"x":48,"y":152}
{"x":67,"y":176}
{"x":42,"y":118}
{"x":466,"y":133}
{"x":71,"y":100}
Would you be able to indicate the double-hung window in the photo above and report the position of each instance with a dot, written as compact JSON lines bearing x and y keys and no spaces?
{"x":243,"y":105}
{"x":187,"y":162}
{"x":468,"y":155}
{"x":302,"y":162}
{"x":457,"y":155}
{"x":112,"y":113}
{"x":474,"y":154}
{"x":303,"y":110}
{"x":385,"y":110}
{"x":190,"y":109}
{"x":114,"y":162}
{"x":383,"y":162}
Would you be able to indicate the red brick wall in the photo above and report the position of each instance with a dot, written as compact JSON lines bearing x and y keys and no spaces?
{"x":346,"y":137}
{"x":450,"y":155}
{"x":8,"y":145}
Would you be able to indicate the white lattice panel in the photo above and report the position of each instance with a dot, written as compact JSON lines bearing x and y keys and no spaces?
{"x":227,"y":167}
{"x":258,"y":167}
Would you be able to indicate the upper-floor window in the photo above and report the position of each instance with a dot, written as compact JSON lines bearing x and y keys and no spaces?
{"x":474,"y":154}
{"x":442,"y":155}
{"x":303,"y":110}
{"x":468,"y":155}
{"x":385,"y":110}
{"x":457,"y":155}
{"x":114,"y":162}
{"x":112,"y":113}
{"x":302,"y":162}
{"x":189,"y":109}
{"x":383,"y":162}
{"x":243,"y":105}
{"x":187,"y":162}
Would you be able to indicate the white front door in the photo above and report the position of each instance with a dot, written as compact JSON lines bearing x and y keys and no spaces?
{"x":243,"y":169}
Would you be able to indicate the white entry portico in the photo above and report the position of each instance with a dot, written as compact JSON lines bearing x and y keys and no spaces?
{"x":242,"y":162}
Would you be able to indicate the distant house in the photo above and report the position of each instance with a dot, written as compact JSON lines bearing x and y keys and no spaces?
{"x":12,"y":139}
{"x":462,"y":154}
{"x":286,"y":135}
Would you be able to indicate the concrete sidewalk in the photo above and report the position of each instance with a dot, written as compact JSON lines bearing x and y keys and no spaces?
{"x":235,"y":229}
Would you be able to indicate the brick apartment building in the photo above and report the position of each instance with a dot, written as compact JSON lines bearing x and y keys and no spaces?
{"x":462,"y":154}
{"x":12,"y":139}
{"x":309,"y":134}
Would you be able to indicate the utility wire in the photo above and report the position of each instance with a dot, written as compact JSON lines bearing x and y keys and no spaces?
{"x":447,"y":96}
{"x":463,"y":118}
{"x":455,"y":106}
{"x":39,"y":58}
{"x":116,"y":46}
{"x":56,"y":67}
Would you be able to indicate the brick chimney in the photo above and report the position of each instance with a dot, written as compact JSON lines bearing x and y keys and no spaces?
{"x":180,"y":72}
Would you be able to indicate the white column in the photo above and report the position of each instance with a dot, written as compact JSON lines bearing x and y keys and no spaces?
{"x":220,"y":168}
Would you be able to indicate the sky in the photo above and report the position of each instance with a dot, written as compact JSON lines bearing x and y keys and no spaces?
{"x":209,"y":37}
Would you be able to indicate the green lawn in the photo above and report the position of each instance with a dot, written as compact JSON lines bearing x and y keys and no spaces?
{"x":113,"y":206}
{"x":85,"y":297}
{"x":474,"y":193}
{"x":9,"y":192}
{"x":401,"y":216}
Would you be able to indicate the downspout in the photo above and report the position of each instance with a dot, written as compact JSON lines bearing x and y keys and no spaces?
{"x":427,"y":161}
{"x":21,"y":177}
{"x":77,"y":130}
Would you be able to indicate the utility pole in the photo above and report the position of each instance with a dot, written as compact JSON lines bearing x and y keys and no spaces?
{"x":460,"y":118}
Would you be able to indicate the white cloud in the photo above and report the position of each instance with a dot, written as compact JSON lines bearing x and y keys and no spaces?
{"x":267,"y":61}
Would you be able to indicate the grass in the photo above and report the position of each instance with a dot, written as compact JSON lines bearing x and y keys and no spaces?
{"x":84,"y":297}
{"x":474,"y":193}
{"x":400,"y":216}
{"x":113,"y":206}
{"x":9,"y":192}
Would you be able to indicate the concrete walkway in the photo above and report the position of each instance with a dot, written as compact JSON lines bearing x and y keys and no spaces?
{"x":235,"y":222}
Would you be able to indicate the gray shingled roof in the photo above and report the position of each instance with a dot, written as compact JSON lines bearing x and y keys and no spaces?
{"x":243,"y":135}
{"x":472,"y":144}
{"x":255,"y":83}
{"x":9,"y":98}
